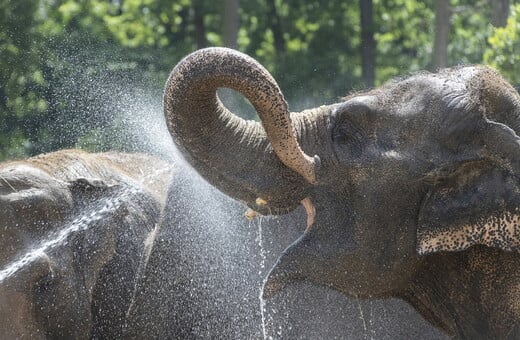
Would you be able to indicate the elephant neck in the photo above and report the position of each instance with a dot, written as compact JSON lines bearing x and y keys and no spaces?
{"x":470,"y":295}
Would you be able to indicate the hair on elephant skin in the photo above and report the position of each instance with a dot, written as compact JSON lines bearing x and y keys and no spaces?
{"x":84,"y":287}
{"x":411,"y":189}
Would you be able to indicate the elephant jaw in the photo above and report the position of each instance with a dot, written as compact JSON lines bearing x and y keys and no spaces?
{"x":286,"y":270}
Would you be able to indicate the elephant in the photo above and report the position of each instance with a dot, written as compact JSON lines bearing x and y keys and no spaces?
{"x":206,"y":269}
{"x":411,"y":189}
{"x":84,"y":287}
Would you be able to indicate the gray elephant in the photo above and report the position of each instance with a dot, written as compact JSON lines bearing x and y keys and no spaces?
{"x":411,"y":189}
{"x":82,"y":288}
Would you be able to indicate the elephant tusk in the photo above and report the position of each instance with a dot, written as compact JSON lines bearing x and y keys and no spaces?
{"x":250,"y":214}
{"x":310,"y":209}
{"x":260,"y":201}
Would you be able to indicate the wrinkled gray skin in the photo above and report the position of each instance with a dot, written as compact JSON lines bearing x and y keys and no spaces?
{"x":84,"y":288}
{"x":414,"y":185}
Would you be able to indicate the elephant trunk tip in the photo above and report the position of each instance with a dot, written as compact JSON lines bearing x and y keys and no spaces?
{"x":309,"y":168}
{"x":305,"y":165}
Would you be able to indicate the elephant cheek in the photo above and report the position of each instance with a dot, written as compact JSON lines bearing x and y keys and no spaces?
{"x":17,"y":319}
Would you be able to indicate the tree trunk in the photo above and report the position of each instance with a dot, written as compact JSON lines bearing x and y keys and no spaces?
{"x":368,"y":44}
{"x":231,"y":23}
{"x":442,"y":33}
{"x":500,"y":12}
{"x":276,"y":26}
{"x":198,"y":20}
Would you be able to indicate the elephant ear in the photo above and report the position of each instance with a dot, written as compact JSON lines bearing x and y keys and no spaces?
{"x":475,"y":201}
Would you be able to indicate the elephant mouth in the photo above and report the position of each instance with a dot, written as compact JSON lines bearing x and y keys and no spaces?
{"x":307,"y":204}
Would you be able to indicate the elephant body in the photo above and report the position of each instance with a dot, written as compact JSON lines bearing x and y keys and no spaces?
{"x":82,"y":288}
{"x":411,"y":189}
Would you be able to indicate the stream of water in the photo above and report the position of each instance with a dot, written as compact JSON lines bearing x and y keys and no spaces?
{"x":261,"y":272}
{"x":96,"y":212}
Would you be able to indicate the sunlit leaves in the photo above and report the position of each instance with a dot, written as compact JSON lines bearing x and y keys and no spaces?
{"x":471,"y":24}
{"x":504,"y":51}
{"x":404,"y":36}
{"x":69,"y":10}
{"x":136,"y":24}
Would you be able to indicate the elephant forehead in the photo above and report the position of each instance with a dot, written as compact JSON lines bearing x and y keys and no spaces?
{"x":500,"y":231}
{"x":29,"y":196}
{"x":18,"y":176}
{"x":408,"y":94}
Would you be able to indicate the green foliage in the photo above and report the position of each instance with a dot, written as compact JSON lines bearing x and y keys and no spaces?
{"x":404,"y":37}
{"x":504,"y":47}
{"x":66,"y":66}
{"x":470,"y":30}
{"x":21,"y":79}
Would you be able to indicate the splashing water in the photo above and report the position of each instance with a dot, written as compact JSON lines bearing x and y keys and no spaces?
{"x":261,"y":273}
{"x":368,"y":332}
{"x":264,"y":322}
{"x":98,"y":211}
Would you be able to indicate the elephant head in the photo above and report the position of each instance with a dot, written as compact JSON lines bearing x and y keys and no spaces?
{"x":420,"y":166}
{"x":82,"y":287}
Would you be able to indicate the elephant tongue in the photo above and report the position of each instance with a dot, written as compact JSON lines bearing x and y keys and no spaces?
{"x":310,"y":209}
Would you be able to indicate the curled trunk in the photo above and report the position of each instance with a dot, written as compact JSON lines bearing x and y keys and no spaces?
{"x":233,"y":154}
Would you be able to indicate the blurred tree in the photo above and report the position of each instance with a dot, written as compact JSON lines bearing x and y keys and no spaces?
{"x":276,"y":27}
{"x":200,"y":27}
{"x":404,"y":36}
{"x":231,"y":23}
{"x":470,"y":29}
{"x":368,"y":44}
{"x":500,"y":12}
{"x":21,"y":80}
{"x":503,"y":52}
{"x":314,"y":53}
{"x":442,"y":33}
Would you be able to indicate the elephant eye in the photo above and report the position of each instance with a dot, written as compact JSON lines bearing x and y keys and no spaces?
{"x":349,"y":137}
